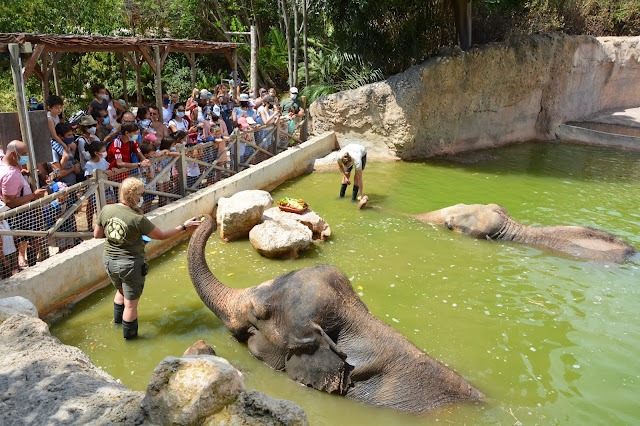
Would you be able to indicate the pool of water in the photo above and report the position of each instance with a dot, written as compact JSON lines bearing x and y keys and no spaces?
{"x":549,"y":338}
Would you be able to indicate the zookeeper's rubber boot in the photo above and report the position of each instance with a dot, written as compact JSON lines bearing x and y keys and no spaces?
{"x":130,"y":329}
{"x":343,"y":189}
{"x":354,"y":194}
{"x":117,"y":313}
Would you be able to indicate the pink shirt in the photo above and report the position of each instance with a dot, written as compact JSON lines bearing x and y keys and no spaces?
{"x":12,"y":181}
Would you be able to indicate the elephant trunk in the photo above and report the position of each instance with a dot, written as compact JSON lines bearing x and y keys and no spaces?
{"x":215,"y":295}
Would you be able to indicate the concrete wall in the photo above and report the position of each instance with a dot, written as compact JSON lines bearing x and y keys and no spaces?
{"x":594,"y":137}
{"x":68,"y":277}
{"x":492,"y":95}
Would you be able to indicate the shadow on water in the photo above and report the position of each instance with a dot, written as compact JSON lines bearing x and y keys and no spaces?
{"x":541,"y":159}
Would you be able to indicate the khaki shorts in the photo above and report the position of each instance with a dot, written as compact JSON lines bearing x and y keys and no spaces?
{"x":126,"y":275}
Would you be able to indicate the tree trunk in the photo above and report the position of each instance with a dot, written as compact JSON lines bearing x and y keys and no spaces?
{"x":285,"y":17}
{"x":304,"y":43}
{"x":296,"y":41}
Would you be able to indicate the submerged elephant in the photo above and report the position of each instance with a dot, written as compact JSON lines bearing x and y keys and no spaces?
{"x":491,"y":221}
{"x":312,"y":324}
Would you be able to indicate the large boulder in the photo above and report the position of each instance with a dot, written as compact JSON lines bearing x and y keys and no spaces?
{"x":312,"y":220}
{"x":256,"y":408}
{"x":43,"y":381}
{"x":16,"y":305}
{"x":189,"y":389}
{"x":200,"y":348}
{"x":283,"y":238}
{"x":239,"y":213}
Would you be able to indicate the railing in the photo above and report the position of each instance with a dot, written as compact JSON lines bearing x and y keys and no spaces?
{"x":61,"y":220}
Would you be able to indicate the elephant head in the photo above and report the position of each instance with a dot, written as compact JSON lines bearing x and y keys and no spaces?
{"x":312,"y":324}
{"x":477,"y":220}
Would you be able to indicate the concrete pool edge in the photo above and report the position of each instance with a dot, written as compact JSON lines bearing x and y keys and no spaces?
{"x":66,"y":278}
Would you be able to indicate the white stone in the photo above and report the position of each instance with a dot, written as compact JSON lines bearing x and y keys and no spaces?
{"x":16,"y":305}
{"x":312,"y":220}
{"x":282,"y":238}
{"x":239,"y":213}
{"x":189,"y":389}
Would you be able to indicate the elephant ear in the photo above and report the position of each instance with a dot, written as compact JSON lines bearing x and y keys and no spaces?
{"x":315,"y":360}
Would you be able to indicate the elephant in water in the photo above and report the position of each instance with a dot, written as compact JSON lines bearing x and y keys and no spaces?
{"x":312,"y":324}
{"x":491,"y":221}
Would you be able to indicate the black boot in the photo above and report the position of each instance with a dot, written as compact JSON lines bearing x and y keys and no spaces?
{"x":130,"y":329}
{"x":117,"y":313}
{"x":354,"y":194}
{"x":343,"y":189}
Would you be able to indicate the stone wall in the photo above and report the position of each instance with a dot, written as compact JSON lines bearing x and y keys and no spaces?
{"x":492,"y":95}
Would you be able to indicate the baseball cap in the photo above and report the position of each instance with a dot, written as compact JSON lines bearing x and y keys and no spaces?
{"x":244,"y":97}
{"x":293,"y":90}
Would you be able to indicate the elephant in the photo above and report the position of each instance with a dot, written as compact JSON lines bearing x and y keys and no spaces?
{"x":311,"y":324}
{"x":492,"y":221}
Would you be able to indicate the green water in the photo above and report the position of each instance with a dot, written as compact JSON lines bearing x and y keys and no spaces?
{"x":550,"y":339}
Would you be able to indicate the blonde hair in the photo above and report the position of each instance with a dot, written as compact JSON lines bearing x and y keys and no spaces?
{"x":195,"y":92}
{"x":129,"y":189}
{"x":346,"y":158}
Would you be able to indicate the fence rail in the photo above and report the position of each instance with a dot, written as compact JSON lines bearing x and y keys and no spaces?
{"x":63,"y":219}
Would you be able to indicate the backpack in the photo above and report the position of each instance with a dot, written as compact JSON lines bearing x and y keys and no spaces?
{"x":74,"y":120}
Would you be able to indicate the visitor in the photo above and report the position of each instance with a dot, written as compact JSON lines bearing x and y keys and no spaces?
{"x":114,"y":108}
{"x":97,"y":161}
{"x":8,"y":249}
{"x":87,"y":128}
{"x":159,"y":128}
{"x":123,"y":225}
{"x":101,"y":100}
{"x":167,"y":148}
{"x":193,"y":99}
{"x":291,"y":100}
{"x":103,"y":126}
{"x":124,"y":151}
{"x":127,"y":117}
{"x":352,"y":155}
{"x":266,"y":114}
{"x":64,"y":162}
{"x":15,"y":192}
{"x":178,"y":120}
{"x":144,"y":120}
{"x":244,"y":110}
{"x":166,"y":108}
{"x":54,"y":109}
{"x":198,"y":118}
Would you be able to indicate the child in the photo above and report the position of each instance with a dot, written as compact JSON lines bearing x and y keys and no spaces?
{"x":146,"y":175}
{"x":168,"y":148}
{"x":98,"y":153}
{"x":87,"y":128}
{"x":54,"y":107}
{"x":193,"y":169}
{"x":54,"y":211}
{"x":63,"y":159}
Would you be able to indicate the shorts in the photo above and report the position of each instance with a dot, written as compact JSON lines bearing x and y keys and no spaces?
{"x":126,"y":274}
{"x":364,"y":162}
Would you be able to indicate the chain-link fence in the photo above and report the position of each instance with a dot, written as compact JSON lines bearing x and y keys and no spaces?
{"x":42,"y":228}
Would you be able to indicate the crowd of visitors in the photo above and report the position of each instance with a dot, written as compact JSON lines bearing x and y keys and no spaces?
{"x":109,"y":137}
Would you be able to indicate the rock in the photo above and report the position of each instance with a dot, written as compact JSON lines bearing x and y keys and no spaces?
{"x":518,"y":90}
{"x":309,"y":218}
{"x":239,"y":213}
{"x":282,"y":238}
{"x":43,"y":381}
{"x":200,"y":348}
{"x":16,"y":305}
{"x":256,"y":408}
{"x":189,"y":389}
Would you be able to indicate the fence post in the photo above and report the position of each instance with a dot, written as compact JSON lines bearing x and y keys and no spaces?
{"x":274,"y":141}
{"x":182,"y":170}
{"x":101,"y":198}
{"x":304,"y":132}
{"x":236,"y":152}
{"x":276,"y":134}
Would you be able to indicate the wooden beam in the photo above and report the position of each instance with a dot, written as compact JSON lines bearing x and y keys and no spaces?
{"x":45,"y":77}
{"x":30,"y":65}
{"x":123,"y":72}
{"x":192,"y":60}
{"x":54,"y":60}
{"x":158,"y":80}
{"x":147,"y":57}
{"x":38,"y":73}
{"x":131,"y":60}
{"x":164,"y":56}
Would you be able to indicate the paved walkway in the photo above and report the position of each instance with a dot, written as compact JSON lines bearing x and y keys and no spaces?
{"x":622,"y":121}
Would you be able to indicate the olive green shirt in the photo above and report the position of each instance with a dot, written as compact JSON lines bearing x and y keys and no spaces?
{"x":286,"y":104}
{"x":123,"y":231}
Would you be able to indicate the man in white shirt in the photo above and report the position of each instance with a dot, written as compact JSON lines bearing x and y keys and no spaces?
{"x":352,"y":156}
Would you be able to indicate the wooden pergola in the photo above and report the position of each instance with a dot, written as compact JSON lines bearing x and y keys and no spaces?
{"x":48,"y":48}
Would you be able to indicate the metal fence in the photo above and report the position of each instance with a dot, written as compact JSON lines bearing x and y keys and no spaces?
{"x":63,"y":219}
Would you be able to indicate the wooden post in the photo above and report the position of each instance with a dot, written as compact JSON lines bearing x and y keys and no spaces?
{"x":236,"y":152}
{"x":123,"y":71}
{"x":45,"y":77}
{"x":254,"y":61}
{"x":101,"y":197}
{"x":56,"y":79}
{"x":182,"y":170}
{"x":21,"y":102}
{"x":158,"y":80}
{"x":235,"y":77}
{"x":192,"y":61}
{"x":304,"y":132}
{"x":136,"y":57}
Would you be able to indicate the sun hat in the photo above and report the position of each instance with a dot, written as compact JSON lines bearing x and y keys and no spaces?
{"x":242,"y":122}
{"x":251,"y":121}
{"x":244,"y":97}
{"x":151,"y":137}
{"x":203,"y":94}
{"x":87,"y":120}
{"x":293,"y":90}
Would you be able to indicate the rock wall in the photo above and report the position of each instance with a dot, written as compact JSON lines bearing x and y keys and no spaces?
{"x":492,"y":95}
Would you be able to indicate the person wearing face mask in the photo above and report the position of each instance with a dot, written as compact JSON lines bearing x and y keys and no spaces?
{"x":127,"y":117}
{"x":67,"y":164}
{"x":103,"y":123}
{"x":120,"y":150}
{"x":244,"y":110}
{"x":292,"y":99}
{"x":15,"y":192}
{"x":123,"y":225}
{"x":101,"y":100}
{"x":114,"y":108}
{"x":97,"y":161}
{"x":87,"y":128}
{"x":179,"y":120}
